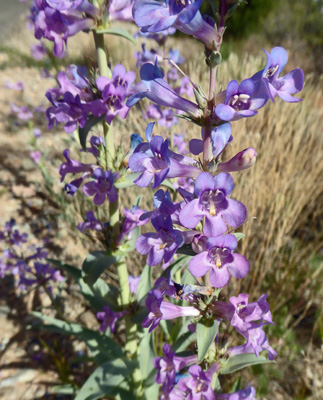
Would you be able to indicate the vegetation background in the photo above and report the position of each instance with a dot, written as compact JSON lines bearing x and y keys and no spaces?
{"x":283,"y":193}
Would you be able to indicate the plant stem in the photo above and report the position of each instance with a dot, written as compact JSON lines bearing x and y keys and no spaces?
{"x":101,"y":55}
{"x":131,"y":329}
{"x":209,"y":111}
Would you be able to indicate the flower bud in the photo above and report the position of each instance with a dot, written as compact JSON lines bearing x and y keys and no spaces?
{"x":243,"y":160}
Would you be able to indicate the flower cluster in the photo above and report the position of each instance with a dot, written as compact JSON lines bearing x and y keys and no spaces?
{"x":77,"y":98}
{"x":57,"y":20}
{"x":24,"y":260}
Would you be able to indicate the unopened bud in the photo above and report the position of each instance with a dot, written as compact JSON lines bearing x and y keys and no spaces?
{"x":213,"y":59}
{"x":243,"y":160}
{"x":200,"y":99}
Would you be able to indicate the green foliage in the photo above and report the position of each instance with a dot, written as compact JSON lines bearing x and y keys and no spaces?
{"x":95,"y":264}
{"x":206,"y":332}
{"x":102,"y":347}
{"x":118,"y":32}
{"x":109,"y":378}
{"x":240,"y":361}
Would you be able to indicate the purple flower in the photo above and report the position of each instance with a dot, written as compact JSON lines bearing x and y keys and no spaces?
{"x":156,"y":89}
{"x":213,"y":204}
{"x":121,"y":10}
{"x":109,"y":318}
{"x":58,"y":20}
{"x":167,"y":119}
{"x":113,"y":93}
{"x":68,"y":110}
{"x":243,"y":160}
{"x":162,"y":310}
{"x":133,"y":284}
{"x":146,"y":56}
{"x":220,"y":137}
{"x":168,"y":365}
{"x":198,"y":385}
{"x":256,"y":343}
{"x":35,"y":156}
{"x":155,"y":161}
{"x":91,"y":223}
{"x":37,"y":133}
{"x":283,"y":87}
{"x":101,"y":187}
{"x":248,"y":393}
{"x":240,"y":101}
{"x":220,"y":260}
{"x":131,"y":221}
{"x":73,"y":166}
{"x":38,"y":51}
{"x":23,"y":113}
{"x":162,"y":244}
{"x":155,"y":16}
{"x":19,"y":85}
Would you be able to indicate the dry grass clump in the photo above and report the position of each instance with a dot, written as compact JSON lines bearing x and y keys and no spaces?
{"x":283,"y":191}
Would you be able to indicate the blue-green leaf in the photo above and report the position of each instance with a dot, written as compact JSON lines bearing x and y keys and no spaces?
{"x":117,"y":32}
{"x":102,"y":347}
{"x":144,"y":284}
{"x":126,"y":180}
{"x":187,"y":250}
{"x":83,"y":132}
{"x":106,"y":379}
{"x":206,"y":332}
{"x":239,"y":235}
{"x":146,"y":354}
{"x":95,"y":294}
{"x":240,"y":361}
{"x":95,"y":264}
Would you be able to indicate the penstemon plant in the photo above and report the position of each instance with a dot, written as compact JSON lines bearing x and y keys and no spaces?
{"x":181,"y":337}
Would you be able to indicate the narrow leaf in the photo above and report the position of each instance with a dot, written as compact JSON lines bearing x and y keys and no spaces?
{"x":102,"y":347}
{"x":144,"y":284}
{"x":95,"y":264}
{"x":126,"y":181}
{"x":187,"y":250}
{"x":206,"y":332}
{"x":240,"y":361}
{"x":146,"y":355}
{"x":105,"y":379}
{"x":95,"y":294}
{"x":118,"y":32}
{"x":83,"y":132}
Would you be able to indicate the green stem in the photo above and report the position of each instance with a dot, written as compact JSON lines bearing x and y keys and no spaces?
{"x":131,"y":346}
{"x":101,"y":55}
{"x":207,"y":155}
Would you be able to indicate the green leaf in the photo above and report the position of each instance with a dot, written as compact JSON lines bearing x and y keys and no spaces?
{"x":151,"y":393}
{"x":206,"y":332}
{"x":168,"y":184}
{"x":146,"y":354}
{"x":102,"y":347}
{"x":144,"y":284}
{"x":83,"y":132}
{"x":240,"y":361}
{"x":104,"y":381}
{"x":180,"y":262}
{"x":95,"y":294}
{"x":239,"y":235}
{"x":187,"y":250}
{"x":126,"y":180}
{"x":95,"y":264}
{"x":117,"y":32}
{"x":64,"y":389}
{"x":184,"y":341}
